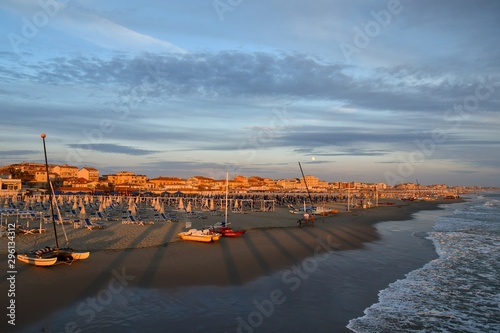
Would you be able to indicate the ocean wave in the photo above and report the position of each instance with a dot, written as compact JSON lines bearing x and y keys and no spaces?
{"x":458,"y":292}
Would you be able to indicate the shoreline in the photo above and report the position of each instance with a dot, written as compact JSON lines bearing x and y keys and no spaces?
{"x":234,"y":261}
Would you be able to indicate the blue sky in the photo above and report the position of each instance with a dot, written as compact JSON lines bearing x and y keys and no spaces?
{"x":373,"y":91}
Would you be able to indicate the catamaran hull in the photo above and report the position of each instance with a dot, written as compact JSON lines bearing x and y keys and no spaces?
{"x":80,"y":255}
{"x":36,"y":261}
{"x":49,"y":258}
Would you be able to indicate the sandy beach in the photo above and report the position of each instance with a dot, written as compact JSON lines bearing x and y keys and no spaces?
{"x":153,"y":256}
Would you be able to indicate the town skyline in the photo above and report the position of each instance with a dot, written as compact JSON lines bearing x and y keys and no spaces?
{"x":71,"y":175}
{"x":381,"y":91}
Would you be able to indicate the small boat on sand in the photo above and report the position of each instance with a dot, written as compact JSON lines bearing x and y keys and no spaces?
{"x":49,"y":256}
{"x":205,"y":235}
{"x":228,"y":232}
{"x":222,"y":228}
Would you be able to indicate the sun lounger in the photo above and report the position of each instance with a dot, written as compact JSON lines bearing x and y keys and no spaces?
{"x":201,"y":216}
{"x":93,"y":225}
{"x":100,"y":216}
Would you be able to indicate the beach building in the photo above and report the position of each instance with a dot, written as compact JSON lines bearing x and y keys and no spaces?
{"x":30,"y":168}
{"x":75,"y":182}
{"x":165,"y":182}
{"x":65,"y":171}
{"x":199,"y":180}
{"x":168,"y":184}
{"x":88,"y":173}
{"x":287,"y":185}
{"x":9,"y":186}
{"x":41,"y":177}
{"x":126,"y":177}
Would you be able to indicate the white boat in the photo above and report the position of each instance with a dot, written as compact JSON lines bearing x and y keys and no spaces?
{"x":80,"y":255}
{"x":205,"y":235}
{"x":49,"y":256}
{"x":37,"y":261}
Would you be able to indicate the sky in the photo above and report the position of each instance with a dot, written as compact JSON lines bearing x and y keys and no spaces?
{"x":370,"y":91}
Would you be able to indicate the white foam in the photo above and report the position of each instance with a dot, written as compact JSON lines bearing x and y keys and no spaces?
{"x":459,"y":291}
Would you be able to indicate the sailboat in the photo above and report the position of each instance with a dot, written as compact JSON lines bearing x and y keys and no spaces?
{"x":307,"y":209}
{"x":49,"y":256}
{"x":222,"y":227}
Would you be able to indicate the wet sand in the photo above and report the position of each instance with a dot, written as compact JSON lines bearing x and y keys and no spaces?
{"x":152,"y":256}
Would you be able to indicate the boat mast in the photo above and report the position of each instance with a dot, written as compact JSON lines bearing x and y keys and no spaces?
{"x":307,"y":189}
{"x":49,"y":189}
{"x":227,"y":193}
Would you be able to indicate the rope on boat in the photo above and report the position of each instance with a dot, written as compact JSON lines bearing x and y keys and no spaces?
{"x":54,"y":202}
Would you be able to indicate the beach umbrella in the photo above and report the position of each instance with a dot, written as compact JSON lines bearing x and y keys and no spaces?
{"x":236,"y":204}
{"x":162,"y":208}
{"x":181,"y":204}
{"x":83,"y":212}
{"x":132,"y":208}
{"x":212,"y":204}
{"x":188,"y":209}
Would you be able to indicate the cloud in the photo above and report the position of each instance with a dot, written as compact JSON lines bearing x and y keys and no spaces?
{"x":78,"y":21}
{"x":20,"y":152}
{"x":113,"y":148}
{"x":234,"y":74}
{"x":111,"y":35}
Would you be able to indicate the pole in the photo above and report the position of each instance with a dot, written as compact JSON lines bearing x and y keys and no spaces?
{"x":348,"y":197}
{"x":49,"y":189}
{"x":227,"y":193}
{"x":307,"y":189}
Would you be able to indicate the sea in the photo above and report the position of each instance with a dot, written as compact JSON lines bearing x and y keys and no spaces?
{"x":457,"y":292}
{"x":438,"y":272}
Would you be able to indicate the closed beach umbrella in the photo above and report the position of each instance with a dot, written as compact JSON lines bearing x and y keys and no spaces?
{"x":212,"y":204}
{"x":188,"y":209}
{"x":181,"y":204}
{"x":83,"y":212}
{"x":132,"y":209}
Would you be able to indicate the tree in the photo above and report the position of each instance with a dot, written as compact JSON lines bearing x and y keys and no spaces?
{"x":18,"y":174}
